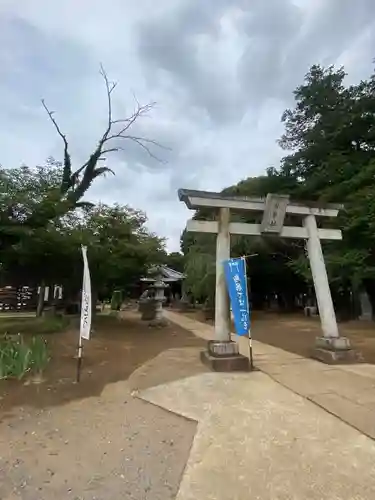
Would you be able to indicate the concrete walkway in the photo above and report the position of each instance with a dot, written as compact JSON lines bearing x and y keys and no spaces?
{"x":261,"y":440}
{"x":347,"y":391}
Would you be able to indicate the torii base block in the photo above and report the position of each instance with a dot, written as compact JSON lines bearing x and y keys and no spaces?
{"x":224,"y":357}
{"x":335,"y":351}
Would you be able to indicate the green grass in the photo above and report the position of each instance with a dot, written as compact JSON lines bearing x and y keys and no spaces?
{"x":17,"y":357}
{"x":33,"y":326}
{"x":22,"y":347}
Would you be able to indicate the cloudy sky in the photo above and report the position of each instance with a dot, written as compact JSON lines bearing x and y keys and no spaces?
{"x":220,"y":71}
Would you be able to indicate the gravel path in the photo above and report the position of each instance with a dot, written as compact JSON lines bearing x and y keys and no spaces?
{"x":101,"y":448}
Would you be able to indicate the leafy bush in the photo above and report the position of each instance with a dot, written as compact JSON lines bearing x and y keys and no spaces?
{"x":116,"y":300}
{"x":18,"y":357}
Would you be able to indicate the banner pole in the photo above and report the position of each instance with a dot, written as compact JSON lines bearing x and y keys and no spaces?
{"x":251,"y":353}
{"x":79,"y":359}
{"x":251,"y":361}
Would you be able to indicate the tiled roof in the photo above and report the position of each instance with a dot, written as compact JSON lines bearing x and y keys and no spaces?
{"x":169,"y":275}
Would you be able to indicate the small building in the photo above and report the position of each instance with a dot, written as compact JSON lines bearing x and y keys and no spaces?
{"x":170,"y":277}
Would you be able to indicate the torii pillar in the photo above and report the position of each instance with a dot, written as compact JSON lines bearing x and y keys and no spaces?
{"x":330,"y":347}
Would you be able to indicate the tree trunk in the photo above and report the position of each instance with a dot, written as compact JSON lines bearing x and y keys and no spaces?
{"x":94,"y":300}
{"x":55,"y":301}
{"x":369,"y":285}
{"x":355,"y":299}
{"x":40,"y":304}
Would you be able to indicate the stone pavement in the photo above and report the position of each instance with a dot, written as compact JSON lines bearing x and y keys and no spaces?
{"x":347,"y":391}
{"x":267,"y":435}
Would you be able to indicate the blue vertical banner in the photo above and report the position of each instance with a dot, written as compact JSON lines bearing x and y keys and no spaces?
{"x":235,"y":275}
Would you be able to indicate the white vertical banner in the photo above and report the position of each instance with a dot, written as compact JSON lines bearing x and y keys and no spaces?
{"x":85,"y":327}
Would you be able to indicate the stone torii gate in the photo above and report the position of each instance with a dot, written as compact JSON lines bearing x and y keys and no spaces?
{"x":330,"y":347}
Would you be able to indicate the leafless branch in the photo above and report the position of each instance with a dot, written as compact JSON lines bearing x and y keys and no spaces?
{"x":110,"y":150}
{"x":67,"y":172}
{"x":138,"y":113}
{"x":110,"y":86}
{"x":50,"y":114}
{"x":140,"y":141}
{"x":80,"y":180}
{"x":125,"y":123}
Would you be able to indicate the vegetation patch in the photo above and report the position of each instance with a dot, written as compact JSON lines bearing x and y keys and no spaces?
{"x":18,"y":357}
{"x":33,"y":326}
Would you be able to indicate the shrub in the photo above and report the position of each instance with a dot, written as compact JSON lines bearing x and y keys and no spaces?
{"x":116,"y":300}
{"x":18,"y":357}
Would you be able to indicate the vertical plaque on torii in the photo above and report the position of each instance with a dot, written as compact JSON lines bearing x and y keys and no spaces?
{"x":274,"y":213}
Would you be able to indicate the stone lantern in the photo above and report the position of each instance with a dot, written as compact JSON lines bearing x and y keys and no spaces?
{"x":159,"y":298}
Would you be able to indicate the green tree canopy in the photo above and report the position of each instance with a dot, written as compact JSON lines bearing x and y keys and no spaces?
{"x":176,"y":261}
{"x":120,"y":247}
{"x":329,"y":141}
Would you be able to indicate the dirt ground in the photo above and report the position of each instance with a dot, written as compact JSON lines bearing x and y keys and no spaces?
{"x":94,"y":440}
{"x":296,"y":333}
{"x":116,"y":349}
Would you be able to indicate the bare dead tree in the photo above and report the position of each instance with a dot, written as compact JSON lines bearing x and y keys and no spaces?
{"x":75,"y":183}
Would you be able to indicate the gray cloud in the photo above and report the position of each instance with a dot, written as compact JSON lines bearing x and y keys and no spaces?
{"x":332,"y":29}
{"x":221,"y":71}
{"x":268,"y":41}
{"x":36,"y":64}
{"x":174,"y":43}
